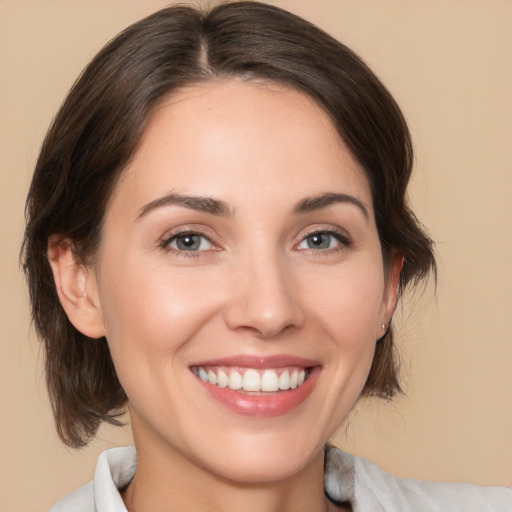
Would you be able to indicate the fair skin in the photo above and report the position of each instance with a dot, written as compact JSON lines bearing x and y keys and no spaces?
{"x":241,"y":236}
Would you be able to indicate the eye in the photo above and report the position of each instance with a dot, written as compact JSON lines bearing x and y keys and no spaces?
{"x":323,"y":240}
{"x":190,"y":242}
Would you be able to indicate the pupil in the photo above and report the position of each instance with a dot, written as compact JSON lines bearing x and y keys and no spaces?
{"x":319,"y":241}
{"x":188,"y":242}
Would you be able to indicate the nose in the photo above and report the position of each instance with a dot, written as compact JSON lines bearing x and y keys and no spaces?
{"x":265,"y":299}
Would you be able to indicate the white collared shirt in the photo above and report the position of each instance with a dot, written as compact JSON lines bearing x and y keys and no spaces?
{"x":347,"y":478}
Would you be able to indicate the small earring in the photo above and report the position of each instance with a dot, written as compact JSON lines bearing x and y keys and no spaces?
{"x":381,"y":339}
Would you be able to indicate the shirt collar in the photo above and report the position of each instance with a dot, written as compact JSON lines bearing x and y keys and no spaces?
{"x":116,"y":468}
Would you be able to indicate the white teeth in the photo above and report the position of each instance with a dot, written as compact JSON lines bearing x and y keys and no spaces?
{"x":235,"y":381}
{"x":294,"y":379}
{"x":284,"y":380}
{"x":252,"y":380}
{"x":269,"y":381}
{"x":222,"y":379}
{"x":212,"y":377}
{"x":203,"y":375}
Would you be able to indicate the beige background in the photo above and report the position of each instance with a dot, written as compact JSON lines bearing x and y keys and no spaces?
{"x":448,"y":63}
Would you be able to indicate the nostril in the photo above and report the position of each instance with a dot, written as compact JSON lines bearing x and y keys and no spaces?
{"x":263,"y":300}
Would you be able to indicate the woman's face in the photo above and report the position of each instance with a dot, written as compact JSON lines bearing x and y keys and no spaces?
{"x":240,"y":249}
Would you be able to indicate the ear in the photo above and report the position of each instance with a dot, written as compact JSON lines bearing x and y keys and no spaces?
{"x":76,"y":287}
{"x":391,"y":291}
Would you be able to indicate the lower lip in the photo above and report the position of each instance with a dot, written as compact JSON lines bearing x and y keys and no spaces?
{"x":264,"y":405}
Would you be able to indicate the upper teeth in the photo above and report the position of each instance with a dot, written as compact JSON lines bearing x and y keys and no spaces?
{"x":250,"y":379}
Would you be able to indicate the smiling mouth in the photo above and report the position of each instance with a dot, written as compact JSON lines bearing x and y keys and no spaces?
{"x":253,"y":380}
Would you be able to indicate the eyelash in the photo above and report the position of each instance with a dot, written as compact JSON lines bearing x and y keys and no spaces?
{"x":166,"y":243}
{"x":340,"y":237}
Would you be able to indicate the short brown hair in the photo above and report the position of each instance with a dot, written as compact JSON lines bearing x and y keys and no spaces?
{"x":99,"y":126}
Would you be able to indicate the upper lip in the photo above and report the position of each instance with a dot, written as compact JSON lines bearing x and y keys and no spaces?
{"x":260,"y":362}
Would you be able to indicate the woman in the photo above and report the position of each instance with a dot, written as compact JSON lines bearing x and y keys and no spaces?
{"x":217,"y":236}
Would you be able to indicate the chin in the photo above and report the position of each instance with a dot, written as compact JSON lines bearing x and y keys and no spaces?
{"x":259,"y":470}
{"x":269,"y":458}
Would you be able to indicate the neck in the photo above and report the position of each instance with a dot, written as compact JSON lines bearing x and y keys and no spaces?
{"x":166,"y":481}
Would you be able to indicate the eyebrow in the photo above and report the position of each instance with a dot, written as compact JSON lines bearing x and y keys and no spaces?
{"x":309,"y":204}
{"x":198,"y":203}
{"x":221,"y":208}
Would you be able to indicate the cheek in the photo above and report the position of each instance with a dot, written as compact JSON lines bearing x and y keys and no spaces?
{"x":152,"y":311}
{"x":348,"y":311}
{"x":349,"y":303}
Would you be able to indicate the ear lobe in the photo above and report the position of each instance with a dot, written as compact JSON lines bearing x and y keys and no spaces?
{"x":76,"y":288}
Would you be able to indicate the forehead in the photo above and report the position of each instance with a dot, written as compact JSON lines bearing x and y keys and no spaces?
{"x":211,"y":137}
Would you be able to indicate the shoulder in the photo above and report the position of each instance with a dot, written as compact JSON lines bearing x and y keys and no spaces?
{"x":373,"y":489}
{"x":114,"y":470}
